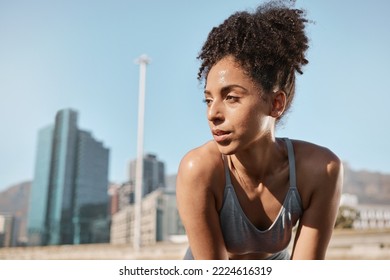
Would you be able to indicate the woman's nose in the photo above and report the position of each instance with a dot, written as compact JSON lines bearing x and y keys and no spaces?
{"x":215,"y":111}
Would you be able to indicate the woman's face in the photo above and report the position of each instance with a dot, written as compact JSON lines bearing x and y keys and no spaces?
{"x":237,"y":113}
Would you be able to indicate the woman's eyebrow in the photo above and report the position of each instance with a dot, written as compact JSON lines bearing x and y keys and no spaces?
{"x":226,"y":89}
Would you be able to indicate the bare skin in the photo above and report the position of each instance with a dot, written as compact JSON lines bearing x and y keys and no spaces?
{"x":242,"y":121}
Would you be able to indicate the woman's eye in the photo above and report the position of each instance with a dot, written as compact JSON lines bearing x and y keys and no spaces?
{"x":207,"y":101}
{"x":232,"y":98}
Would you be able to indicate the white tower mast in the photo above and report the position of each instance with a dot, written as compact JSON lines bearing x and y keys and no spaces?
{"x":143,"y":60}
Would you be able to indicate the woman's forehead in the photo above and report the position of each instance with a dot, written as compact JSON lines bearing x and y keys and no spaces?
{"x":226,"y":71}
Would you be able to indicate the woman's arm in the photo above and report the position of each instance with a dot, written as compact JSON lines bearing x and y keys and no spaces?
{"x":318,"y":220}
{"x":197,"y":206}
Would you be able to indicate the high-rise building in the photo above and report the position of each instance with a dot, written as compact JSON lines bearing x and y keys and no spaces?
{"x":68,"y":202}
{"x":153,"y":173}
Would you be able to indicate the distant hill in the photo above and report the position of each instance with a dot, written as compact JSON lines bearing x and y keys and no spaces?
{"x":15,"y":198}
{"x":14,"y":201}
{"x":369,"y":187}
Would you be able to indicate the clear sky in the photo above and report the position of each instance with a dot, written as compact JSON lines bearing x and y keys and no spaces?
{"x":80,"y":54}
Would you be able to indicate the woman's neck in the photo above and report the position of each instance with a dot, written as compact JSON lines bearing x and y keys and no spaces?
{"x":261,"y":159}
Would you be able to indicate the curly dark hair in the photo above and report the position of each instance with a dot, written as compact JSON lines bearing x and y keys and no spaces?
{"x":269,"y":43}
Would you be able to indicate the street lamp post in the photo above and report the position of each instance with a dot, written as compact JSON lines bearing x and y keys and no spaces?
{"x":143,"y":60}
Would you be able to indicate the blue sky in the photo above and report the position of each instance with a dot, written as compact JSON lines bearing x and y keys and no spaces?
{"x":80,"y":55}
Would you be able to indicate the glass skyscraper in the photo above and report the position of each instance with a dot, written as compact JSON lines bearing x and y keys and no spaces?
{"x":68,"y":202}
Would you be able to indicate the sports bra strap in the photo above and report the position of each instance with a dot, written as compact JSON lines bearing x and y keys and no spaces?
{"x":227,"y":171}
{"x":291,"y":162}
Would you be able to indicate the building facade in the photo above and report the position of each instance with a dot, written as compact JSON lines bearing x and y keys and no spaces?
{"x":160,"y":220}
{"x":8,"y":226}
{"x":365,"y":216}
{"x":372,"y":217}
{"x":68,"y":201}
{"x":153,"y":173}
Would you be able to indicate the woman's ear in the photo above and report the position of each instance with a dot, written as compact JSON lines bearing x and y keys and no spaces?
{"x":278,"y":103}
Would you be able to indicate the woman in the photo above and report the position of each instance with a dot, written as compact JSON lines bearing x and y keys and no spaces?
{"x":241,"y":194}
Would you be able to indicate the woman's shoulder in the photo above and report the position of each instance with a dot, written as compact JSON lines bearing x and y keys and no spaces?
{"x":316,"y":158}
{"x":201,"y":175}
{"x":319,"y":169}
{"x":203,"y":159}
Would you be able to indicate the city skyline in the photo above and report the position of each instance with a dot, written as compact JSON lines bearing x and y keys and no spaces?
{"x":80,"y":55}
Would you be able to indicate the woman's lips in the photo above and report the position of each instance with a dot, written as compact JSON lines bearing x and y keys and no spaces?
{"x":220,"y":135}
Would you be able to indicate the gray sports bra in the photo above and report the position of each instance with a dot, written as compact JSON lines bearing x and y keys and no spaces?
{"x":242,"y":237}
